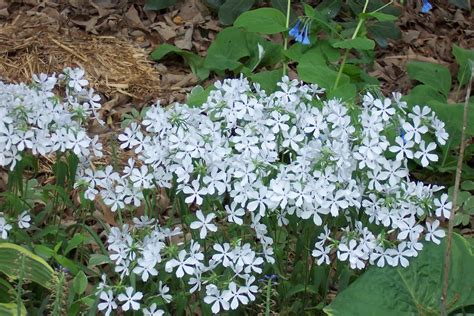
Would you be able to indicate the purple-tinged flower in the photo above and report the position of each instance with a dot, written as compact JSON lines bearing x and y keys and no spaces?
{"x":295,"y":30}
{"x":426,"y":6}
{"x":305,"y":36}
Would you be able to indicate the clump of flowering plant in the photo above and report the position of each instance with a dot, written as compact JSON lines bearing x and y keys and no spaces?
{"x":34,"y":119}
{"x":250,"y":164}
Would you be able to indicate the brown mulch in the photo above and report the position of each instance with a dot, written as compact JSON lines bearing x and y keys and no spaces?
{"x":425,"y":37}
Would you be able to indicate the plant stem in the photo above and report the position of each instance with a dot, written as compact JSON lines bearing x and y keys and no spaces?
{"x":457,"y":181}
{"x":268,"y":297}
{"x":346,"y":54}
{"x":285,"y":44}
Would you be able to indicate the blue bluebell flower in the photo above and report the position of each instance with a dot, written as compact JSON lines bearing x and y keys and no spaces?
{"x":301,"y":35}
{"x":426,"y":6}
{"x":305,"y":36}
{"x":295,"y":30}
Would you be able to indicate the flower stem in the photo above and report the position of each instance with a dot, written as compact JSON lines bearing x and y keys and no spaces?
{"x":268,"y":294}
{"x":285,"y":44}
{"x":346,"y":54}
{"x":457,"y":181}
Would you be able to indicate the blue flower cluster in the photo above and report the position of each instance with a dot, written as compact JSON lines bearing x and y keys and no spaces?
{"x":426,"y":6}
{"x":301,"y":35}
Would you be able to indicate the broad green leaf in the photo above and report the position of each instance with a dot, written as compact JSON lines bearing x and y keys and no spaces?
{"x":79,"y":283}
{"x":346,"y":92}
{"x":462,"y":4}
{"x":158,"y":4}
{"x":382,"y":32}
{"x":263,"y":20}
{"x":415,"y":290}
{"x":423,"y":94}
{"x":11,"y":309}
{"x":16,"y":260}
{"x":7,"y":291}
{"x":215,"y":4}
{"x":382,"y":17}
{"x":430,"y":74}
{"x":465,"y":67}
{"x":467,"y":185}
{"x":231,"y":9}
{"x":227,"y":49}
{"x":98,"y":259}
{"x":194,"y":61}
{"x":198,"y":95}
{"x":358,"y":43}
{"x":331,"y":8}
{"x":268,"y":79}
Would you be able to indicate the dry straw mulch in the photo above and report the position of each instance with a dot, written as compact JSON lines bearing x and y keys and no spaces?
{"x":38,"y":44}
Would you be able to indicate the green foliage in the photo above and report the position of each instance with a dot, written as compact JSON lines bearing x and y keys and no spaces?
{"x":34,"y":269}
{"x":465,"y":59}
{"x":433,"y":75}
{"x":415,"y":290}
{"x":158,"y":4}
{"x":264,"y":20}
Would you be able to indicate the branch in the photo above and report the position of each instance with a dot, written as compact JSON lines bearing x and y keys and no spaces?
{"x":457,"y":181}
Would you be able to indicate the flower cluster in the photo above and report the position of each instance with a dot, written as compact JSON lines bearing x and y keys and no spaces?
{"x":301,"y":36}
{"x":246,"y":159}
{"x":34,"y":119}
{"x":148,"y":250}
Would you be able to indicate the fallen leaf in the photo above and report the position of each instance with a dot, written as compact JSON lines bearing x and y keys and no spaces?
{"x":186,"y":41}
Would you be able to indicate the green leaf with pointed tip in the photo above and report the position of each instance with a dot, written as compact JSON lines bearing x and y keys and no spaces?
{"x":415,"y":290}
{"x":434,"y":75}
{"x":463,"y":56}
{"x":194,"y":61}
{"x":263,"y":20}
{"x":359,"y":43}
{"x":11,"y":309}
{"x":231,"y":9}
{"x":13,"y":258}
{"x":158,"y":4}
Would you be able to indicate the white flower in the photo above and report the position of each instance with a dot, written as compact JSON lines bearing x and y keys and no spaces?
{"x":425,"y":154}
{"x":433,"y":233}
{"x":216,"y":298}
{"x":236,"y":295}
{"x":443,"y":206}
{"x":204,"y":223}
{"x":163,"y":290}
{"x":153,"y":311}
{"x":185,"y":265}
{"x":24,"y":220}
{"x":107,"y":303}
{"x":195,"y":193}
{"x":321,"y":253}
{"x":4,"y":228}
{"x":130,"y":299}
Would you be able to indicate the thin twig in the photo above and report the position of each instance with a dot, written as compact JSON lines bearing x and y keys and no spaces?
{"x":457,"y":181}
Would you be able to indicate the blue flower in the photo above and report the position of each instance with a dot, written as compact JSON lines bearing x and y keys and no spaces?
{"x":295,"y":30}
{"x":426,"y":6}
{"x":306,"y":37}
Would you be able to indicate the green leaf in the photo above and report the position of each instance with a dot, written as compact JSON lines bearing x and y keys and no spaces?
{"x":98,"y":259}
{"x":263,"y":20}
{"x":346,"y":92}
{"x":193,"y":60}
{"x":382,"y":17}
{"x":231,"y":9}
{"x":433,"y":75}
{"x":359,"y":43}
{"x":79,"y":283}
{"x":158,"y":4}
{"x":14,"y":258}
{"x":467,"y":185}
{"x":415,"y":290}
{"x":381,"y":32}
{"x":11,"y":309}
{"x":463,"y":56}
{"x":312,"y":68}
{"x":227,"y":49}
{"x":268,"y":79}
{"x":462,"y":4}
{"x":215,"y":4}
{"x":198,"y":95}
